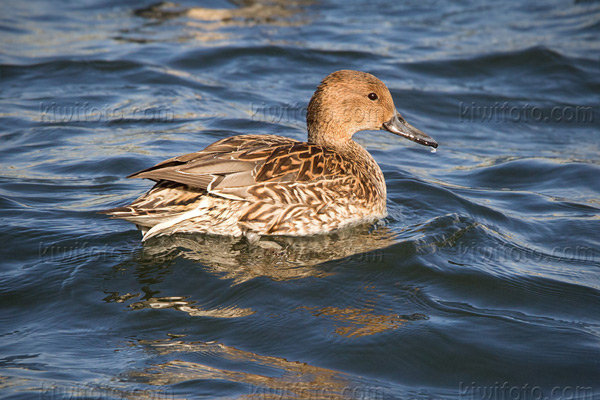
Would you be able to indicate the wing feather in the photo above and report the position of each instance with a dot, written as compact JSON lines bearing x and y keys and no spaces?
{"x":231,"y":166}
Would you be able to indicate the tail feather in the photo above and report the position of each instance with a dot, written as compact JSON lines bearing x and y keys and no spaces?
{"x":175,"y":208}
{"x":142,"y":218}
{"x":115,"y":212}
{"x":165,"y":201}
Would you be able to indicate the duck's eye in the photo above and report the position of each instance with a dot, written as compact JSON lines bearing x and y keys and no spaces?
{"x":373,"y":96}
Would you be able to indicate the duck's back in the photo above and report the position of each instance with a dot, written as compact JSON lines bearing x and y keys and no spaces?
{"x":259,"y":185}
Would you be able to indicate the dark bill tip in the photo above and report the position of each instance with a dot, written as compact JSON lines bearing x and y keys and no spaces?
{"x":398,"y":125}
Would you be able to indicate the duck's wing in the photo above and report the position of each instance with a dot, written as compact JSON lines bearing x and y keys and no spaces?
{"x":231,"y":166}
{"x":221,"y":158}
{"x":182,"y":181}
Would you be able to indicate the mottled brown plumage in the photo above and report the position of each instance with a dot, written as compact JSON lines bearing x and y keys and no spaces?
{"x":258,"y":185}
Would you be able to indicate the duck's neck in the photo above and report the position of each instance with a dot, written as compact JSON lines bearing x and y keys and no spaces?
{"x":355,"y":153}
{"x":328,"y":133}
{"x":326,"y":129}
{"x":326,"y":126}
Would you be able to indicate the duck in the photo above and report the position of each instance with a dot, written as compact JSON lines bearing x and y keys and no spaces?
{"x":258,"y":185}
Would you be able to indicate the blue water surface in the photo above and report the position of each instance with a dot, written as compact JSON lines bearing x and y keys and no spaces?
{"x":482,"y":283}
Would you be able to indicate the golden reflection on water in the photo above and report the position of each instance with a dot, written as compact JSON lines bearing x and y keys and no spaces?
{"x":360,"y":322}
{"x":206,"y":24}
{"x":278,"y":258}
{"x":278,"y":377}
{"x":181,"y":304}
{"x":273,"y":12}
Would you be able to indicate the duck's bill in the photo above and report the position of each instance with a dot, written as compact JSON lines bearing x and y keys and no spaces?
{"x":400,"y":127}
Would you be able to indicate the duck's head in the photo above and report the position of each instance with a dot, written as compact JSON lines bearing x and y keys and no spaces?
{"x":347,"y":102}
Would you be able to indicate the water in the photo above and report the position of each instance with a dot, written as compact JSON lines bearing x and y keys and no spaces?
{"x":483,"y":282}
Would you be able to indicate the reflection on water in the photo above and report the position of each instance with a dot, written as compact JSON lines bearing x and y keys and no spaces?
{"x":362,"y":322}
{"x":203,"y":24}
{"x":237,"y":261}
{"x":272,"y":377}
{"x":278,"y":258}
{"x":251,"y":11}
{"x":181,"y":304}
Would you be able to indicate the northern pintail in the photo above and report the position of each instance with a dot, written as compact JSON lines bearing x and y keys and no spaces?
{"x":256,"y":185}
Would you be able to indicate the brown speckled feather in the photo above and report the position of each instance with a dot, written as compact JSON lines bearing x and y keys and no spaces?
{"x":245,"y":160}
{"x":276,"y":186}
